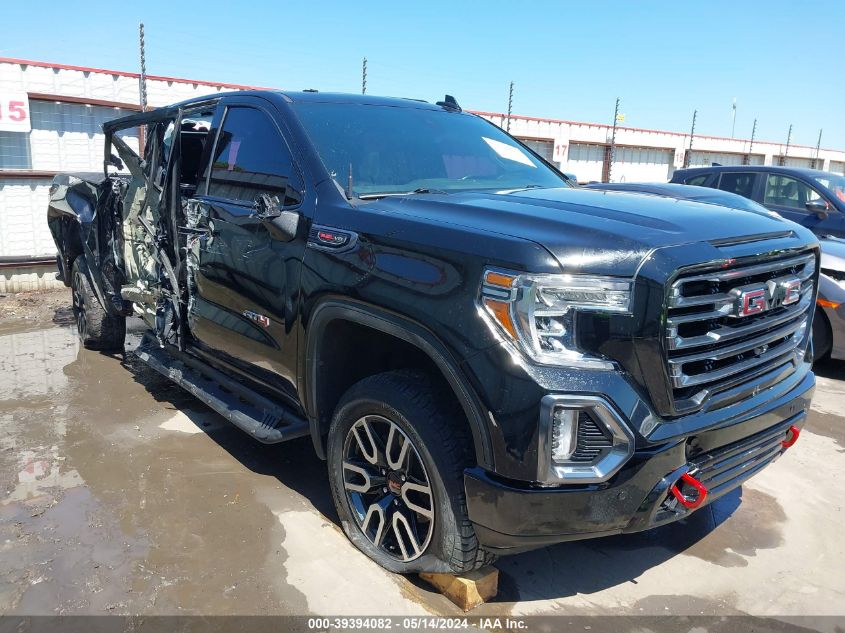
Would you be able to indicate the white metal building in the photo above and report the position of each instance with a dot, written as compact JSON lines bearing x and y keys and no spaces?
{"x":51,"y":117}
{"x":583,"y":149}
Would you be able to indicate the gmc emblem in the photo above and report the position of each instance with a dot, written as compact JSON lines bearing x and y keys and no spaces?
{"x":757,"y":298}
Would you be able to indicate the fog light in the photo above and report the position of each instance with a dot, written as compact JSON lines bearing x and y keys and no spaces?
{"x":581,"y":439}
{"x":564,"y":434}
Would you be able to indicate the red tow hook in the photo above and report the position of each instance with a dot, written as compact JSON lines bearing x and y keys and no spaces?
{"x":685,"y":501}
{"x":792,"y":434}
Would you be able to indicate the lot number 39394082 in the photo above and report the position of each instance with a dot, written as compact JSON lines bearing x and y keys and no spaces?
{"x":14,"y":112}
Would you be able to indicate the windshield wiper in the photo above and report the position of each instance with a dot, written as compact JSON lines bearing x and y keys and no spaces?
{"x":374,"y":196}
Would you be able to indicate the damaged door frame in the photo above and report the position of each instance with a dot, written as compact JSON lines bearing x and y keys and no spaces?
{"x":171,"y":295}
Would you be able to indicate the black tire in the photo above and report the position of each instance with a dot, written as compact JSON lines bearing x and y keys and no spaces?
{"x":410,"y":401}
{"x":822,"y":336}
{"x":96,"y":328}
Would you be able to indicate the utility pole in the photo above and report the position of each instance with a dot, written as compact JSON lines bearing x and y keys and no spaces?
{"x":687,"y":156}
{"x":818,"y":149}
{"x":747,"y":158}
{"x":510,"y":108}
{"x":733,"y":118}
{"x":143,"y":80}
{"x":364,"y":77}
{"x":788,"y":141}
{"x":611,"y":153}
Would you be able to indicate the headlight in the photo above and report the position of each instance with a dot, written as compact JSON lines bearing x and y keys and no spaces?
{"x":536,"y":312}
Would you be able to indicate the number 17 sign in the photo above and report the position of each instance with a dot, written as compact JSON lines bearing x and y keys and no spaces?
{"x":14,"y":112}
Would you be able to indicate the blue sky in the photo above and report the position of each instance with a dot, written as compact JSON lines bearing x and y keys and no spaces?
{"x":782,"y":61}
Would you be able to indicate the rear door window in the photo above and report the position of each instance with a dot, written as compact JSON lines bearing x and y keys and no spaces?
{"x":741,"y":183}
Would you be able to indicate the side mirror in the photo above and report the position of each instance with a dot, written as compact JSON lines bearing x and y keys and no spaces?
{"x":281,"y":224}
{"x":819,"y":207}
{"x":114,"y":161}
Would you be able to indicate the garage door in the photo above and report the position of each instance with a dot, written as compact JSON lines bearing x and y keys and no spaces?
{"x":705,"y":159}
{"x":586,"y":161}
{"x":546,"y":149}
{"x":642,"y":164}
{"x":837,"y":167}
{"x":794,"y":161}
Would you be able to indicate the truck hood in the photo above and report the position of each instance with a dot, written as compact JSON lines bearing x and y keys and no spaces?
{"x":595,"y":231}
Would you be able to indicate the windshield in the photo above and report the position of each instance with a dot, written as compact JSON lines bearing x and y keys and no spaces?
{"x":835,"y":183}
{"x":395,"y":150}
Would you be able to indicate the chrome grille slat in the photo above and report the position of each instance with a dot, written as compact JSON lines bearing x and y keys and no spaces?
{"x":742,"y":366}
{"x":712,"y":344}
{"x":747,"y":271}
{"x":727,"y":333}
{"x":720,"y":353}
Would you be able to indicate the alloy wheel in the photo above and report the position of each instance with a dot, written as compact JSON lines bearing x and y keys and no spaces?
{"x":388,"y":488}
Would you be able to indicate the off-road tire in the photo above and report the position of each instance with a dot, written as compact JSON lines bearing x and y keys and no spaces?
{"x":96,"y":328}
{"x":414,"y":403}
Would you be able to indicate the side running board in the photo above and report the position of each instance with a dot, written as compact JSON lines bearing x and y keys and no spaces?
{"x":263,"y":419}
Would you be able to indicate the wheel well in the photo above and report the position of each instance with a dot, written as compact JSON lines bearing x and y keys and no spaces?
{"x":357,"y":351}
{"x":820,"y":320}
{"x":71,"y":247}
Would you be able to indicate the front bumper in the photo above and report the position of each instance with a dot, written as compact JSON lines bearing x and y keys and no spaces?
{"x":512,"y":516}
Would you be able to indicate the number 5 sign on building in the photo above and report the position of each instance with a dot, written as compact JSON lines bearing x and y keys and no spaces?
{"x":14,"y":112}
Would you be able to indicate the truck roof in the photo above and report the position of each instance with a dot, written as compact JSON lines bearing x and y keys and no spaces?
{"x":304,"y":96}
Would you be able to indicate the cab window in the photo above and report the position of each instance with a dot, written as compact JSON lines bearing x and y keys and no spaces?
{"x":698,"y":181}
{"x":741,"y":183}
{"x":252,"y":158}
{"x":786,"y":191}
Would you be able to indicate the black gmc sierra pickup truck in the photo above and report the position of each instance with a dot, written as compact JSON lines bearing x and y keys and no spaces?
{"x":489,"y":358}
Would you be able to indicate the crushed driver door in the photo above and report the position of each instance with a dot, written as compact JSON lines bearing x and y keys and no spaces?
{"x":242,"y":278}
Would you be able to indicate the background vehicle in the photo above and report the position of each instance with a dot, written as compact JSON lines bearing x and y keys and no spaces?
{"x":829,"y":322}
{"x":685,"y":192}
{"x":489,"y":359}
{"x":812,"y":198}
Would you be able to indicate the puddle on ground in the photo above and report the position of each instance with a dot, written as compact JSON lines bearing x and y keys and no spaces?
{"x":124,"y":494}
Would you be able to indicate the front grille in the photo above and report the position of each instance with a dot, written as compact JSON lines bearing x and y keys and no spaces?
{"x":726,"y":468}
{"x":717,"y":343}
{"x":592,"y":439}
